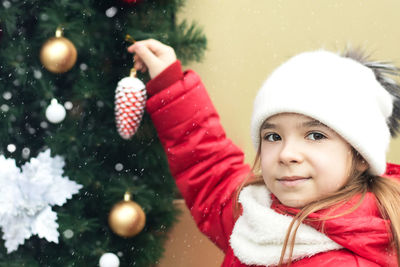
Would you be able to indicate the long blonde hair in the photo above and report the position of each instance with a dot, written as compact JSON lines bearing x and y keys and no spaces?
{"x":386,"y":191}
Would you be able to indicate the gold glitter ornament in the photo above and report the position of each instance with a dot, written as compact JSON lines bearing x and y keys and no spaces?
{"x":58,"y":54}
{"x":127,"y":218}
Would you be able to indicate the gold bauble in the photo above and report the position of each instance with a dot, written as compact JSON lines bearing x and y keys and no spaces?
{"x":58,"y":54}
{"x":127,"y":218}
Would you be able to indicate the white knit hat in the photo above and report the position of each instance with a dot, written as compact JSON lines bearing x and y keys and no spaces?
{"x":337,"y":91}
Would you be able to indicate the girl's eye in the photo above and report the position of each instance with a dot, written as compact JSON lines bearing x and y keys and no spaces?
{"x":316,"y":136}
{"x":272,"y":137}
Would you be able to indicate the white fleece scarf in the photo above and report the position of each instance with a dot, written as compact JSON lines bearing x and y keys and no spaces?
{"x":259,"y":233}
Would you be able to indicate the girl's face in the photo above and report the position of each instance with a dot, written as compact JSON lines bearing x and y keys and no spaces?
{"x":302,"y":160}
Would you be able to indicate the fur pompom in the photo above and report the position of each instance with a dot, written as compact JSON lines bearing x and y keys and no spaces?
{"x":383,"y":72}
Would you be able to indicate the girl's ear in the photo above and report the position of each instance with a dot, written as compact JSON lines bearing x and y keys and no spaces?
{"x":362,"y":165}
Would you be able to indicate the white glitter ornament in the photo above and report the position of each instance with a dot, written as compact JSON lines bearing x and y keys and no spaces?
{"x":55,"y":113}
{"x":109,"y":260}
{"x":130,"y":100}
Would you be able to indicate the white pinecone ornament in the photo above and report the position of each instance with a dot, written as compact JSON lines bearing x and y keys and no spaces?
{"x":130,"y":100}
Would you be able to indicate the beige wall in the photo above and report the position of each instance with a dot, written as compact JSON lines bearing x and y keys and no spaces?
{"x":247,"y":40}
{"x":187,"y":246}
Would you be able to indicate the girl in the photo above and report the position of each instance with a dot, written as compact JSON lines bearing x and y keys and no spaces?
{"x":320,"y":192}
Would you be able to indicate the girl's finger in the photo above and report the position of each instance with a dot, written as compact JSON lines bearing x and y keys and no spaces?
{"x":155,"y":46}
{"x":130,"y":49}
{"x":138,"y":65}
{"x":145,"y":54}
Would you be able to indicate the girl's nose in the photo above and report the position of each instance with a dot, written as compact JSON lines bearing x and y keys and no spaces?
{"x":290,"y":153}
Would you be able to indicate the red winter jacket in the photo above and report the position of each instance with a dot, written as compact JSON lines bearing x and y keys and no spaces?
{"x":208,"y":169}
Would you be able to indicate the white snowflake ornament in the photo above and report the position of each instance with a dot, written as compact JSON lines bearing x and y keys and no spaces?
{"x":26,"y":198}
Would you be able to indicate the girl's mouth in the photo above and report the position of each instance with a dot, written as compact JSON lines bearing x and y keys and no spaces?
{"x":292,"y":180}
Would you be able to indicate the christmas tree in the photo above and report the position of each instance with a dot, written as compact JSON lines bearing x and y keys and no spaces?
{"x":64,"y":166}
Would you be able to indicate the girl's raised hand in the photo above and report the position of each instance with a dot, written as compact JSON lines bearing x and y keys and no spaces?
{"x":152,"y":55}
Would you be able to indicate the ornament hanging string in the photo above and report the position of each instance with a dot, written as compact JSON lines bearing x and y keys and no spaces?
{"x":130,"y":39}
{"x":130,"y":100}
